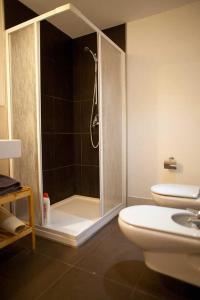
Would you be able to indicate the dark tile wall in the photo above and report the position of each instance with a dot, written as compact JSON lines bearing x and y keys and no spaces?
{"x":16,"y":13}
{"x":70,"y":165}
{"x":57,"y":112}
{"x":86,"y":158}
{"x":118,"y":35}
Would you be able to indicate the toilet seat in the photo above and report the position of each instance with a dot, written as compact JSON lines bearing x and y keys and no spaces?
{"x":157,"y":218}
{"x":176,"y":190}
{"x":176,"y":195}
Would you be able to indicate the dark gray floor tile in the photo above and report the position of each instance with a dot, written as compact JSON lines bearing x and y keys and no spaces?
{"x":112,"y":227}
{"x":115,"y":258}
{"x":27,"y":275}
{"x":80,"y":285}
{"x":166,"y":288}
{"x":108,"y":266}
{"x":50,"y":248}
{"x":25,"y":242}
{"x":10,"y":252}
{"x":68,"y":254}
{"x":56,"y":250}
{"x":64,"y":253}
{"x":139,"y":295}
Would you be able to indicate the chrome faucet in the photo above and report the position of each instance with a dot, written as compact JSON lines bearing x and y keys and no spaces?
{"x":195,"y":212}
{"x":195,"y":218}
{"x":95,"y":121}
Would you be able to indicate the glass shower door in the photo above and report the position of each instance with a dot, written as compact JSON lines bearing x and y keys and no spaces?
{"x":24,"y":106}
{"x":112,"y":109}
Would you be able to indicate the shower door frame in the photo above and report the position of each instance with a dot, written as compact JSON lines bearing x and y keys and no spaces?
{"x":104,"y":217}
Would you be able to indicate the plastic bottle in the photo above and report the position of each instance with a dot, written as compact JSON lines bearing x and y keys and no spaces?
{"x":46,"y":209}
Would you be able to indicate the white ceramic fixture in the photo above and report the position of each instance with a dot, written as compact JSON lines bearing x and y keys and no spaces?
{"x":176,"y":195}
{"x":10,"y":149}
{"x":169,"y":246}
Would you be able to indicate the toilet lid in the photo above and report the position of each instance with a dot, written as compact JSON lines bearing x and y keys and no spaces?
{"x":157,"y":218}
{"x":177,"y":190}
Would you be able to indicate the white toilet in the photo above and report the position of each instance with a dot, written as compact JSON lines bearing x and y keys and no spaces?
{"x":176,"y":195}
{"x":170,"y":243}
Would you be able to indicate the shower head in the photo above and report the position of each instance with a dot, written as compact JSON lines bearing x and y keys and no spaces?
{"x":87,"y":49}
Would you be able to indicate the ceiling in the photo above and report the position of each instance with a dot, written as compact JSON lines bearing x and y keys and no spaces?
{"x":108,"y":13}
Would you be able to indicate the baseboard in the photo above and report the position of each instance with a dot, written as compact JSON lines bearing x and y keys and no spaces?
{"x":139,"y":200}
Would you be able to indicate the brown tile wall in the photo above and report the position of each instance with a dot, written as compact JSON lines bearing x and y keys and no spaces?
{"x":118,"y":35}
{"x":70,"y":165}
{"x":57,"y":112}
{"x":86,"y":158}
{"x":16,"y":13}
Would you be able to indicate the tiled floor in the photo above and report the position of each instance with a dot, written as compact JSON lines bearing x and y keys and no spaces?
{"x":108,"y":266}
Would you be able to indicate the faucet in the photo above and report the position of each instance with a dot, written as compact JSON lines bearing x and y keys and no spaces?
{"x":195,"y":212}
{"x":195,"y":218}
{"x":95,"y":121}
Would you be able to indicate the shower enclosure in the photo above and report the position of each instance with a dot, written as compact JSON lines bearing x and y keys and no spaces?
{"x":66,"y":95}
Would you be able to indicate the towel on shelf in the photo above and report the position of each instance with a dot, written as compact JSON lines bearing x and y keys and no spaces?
{"x":8,"y":185}
{"x":9,"y":222}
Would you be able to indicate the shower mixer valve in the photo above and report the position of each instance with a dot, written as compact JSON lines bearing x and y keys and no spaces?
{"x":95,"y":121}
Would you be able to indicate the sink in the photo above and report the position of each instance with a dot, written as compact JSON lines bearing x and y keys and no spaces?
{"x":185,"y":219}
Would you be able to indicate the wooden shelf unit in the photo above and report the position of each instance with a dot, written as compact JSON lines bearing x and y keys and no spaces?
{"x":8,"y":238}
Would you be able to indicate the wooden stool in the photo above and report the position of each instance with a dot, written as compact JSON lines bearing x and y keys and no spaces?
{"x":7,"y":238}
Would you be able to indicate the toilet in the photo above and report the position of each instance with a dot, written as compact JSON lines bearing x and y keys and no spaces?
{"x":170,"y":243}
{"x":176,"y":195}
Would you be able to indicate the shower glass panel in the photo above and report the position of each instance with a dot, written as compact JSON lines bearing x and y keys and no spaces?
{"x":111,"y":129}
{"x":24,"y":107}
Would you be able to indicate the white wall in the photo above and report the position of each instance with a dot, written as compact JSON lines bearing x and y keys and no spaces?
{"x":163,"y":98}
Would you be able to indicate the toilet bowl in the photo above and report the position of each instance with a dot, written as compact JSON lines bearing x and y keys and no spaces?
{"x":176,"y":195}
{"x":170,"y":245}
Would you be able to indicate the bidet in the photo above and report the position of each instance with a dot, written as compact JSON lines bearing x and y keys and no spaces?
{"x":169,"y":238}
